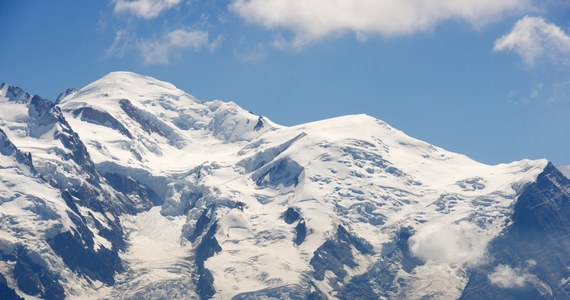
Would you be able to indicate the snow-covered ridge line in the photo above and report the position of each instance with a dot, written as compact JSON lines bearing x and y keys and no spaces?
{"x":338,"y":208}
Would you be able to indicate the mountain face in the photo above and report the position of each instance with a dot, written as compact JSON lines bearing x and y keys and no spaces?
{"x":130,"y":188}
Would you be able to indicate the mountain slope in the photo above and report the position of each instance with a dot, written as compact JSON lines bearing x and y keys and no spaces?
{"x":83,"y":241}
{"x":35,"y":218}
{"x":204,"y":199}
{"x":529,"y":255}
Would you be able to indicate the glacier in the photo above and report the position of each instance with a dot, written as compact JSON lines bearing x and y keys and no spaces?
{"x":132,"y":188}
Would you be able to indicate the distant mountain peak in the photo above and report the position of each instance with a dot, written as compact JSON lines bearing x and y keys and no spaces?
{"x":14,"y":93}
{"x":64,"y":94}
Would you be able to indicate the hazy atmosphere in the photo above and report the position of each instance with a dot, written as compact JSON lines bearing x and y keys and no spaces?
{"x":489,"y":79}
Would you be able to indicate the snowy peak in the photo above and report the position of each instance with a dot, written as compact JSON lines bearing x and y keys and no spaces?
{"x":131,"y":120}
{"x":119,"y":85}
{"x":13,"y":94}
{"x":153,"y":193}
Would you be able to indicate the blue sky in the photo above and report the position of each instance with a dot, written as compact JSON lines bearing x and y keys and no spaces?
{"x":487,"y":78}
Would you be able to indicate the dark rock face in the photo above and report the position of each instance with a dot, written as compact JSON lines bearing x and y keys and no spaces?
{"x":202,"y":224}
{"x":259,"y":124}
{"x":149,"y":122}
{"x":336,"y":253}
{"x":207,"y":248}
{"x":534,"y":249}
{"x":400,"y":249}
{"x":40,"y":111}
{"x":293,"y":292}
{"x":381,"y":279}
{"x":6,"y":292}
{"x":64,"y":94}
{"x":266,"y":156}
{"x":94,"y":116}
{"x":16,"y":94}
{"x":77,"y":250}
{"x":286,"y":172}
{"x":301,"y":232}
{"x":44,"y":115}
{"x":70,"y":139}
{"x":129,"y":186}
{"x":284,"y":292}
{"x":32,"y":276}
{"x":291,"y":215}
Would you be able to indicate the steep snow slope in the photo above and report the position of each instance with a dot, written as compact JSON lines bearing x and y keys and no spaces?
{"x":34,"y":217}
{"x":341,"y":208}
{"x":68,"y":208}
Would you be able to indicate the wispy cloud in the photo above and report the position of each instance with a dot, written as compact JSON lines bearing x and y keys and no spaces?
{"x":147,"y":9}
{"x":121,"y":44}
{"x":551,"y":92}
{"x":318,"y":19}
{"x":159,"y":51}
{"x":506,"y":277}
{"x":534,"y":39}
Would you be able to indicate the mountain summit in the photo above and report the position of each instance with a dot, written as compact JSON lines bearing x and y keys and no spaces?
{"x":129,"y":187}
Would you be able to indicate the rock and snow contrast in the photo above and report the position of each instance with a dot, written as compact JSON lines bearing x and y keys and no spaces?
{"x":131,"y":188}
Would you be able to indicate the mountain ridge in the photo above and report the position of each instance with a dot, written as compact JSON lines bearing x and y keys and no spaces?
{"x":250,"y":208}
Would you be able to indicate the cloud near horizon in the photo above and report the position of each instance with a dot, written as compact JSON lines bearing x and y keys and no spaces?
{"x":311,"y":21}
{"x":534,"y":39}
{"x":146,"y":9}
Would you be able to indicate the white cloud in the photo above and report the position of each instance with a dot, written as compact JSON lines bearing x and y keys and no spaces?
{"x":506,"y":277}
{"x":159,"y":51}
{"x":460,"y":243}
{"x":533,"y":39}
{"x":318,"y":19}
{"x":147,"y":9}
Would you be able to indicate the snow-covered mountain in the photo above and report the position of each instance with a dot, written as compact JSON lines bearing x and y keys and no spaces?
{"x":131,"y":188}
